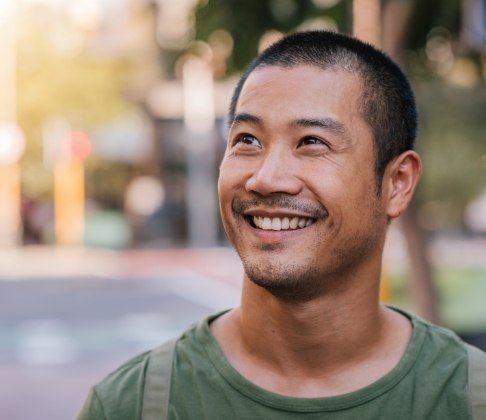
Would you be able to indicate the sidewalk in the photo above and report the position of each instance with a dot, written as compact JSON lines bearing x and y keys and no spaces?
{"x":51,"y":262}
{"x":218,"y":263}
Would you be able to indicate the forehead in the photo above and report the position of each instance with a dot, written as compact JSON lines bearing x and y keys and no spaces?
{"x":278,"y":92}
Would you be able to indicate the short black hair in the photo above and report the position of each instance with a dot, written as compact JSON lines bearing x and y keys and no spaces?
{"x":387,"y":102}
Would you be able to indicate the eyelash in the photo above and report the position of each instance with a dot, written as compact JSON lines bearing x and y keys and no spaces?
{"x":240,"y":139}
{"x":314,"y":138}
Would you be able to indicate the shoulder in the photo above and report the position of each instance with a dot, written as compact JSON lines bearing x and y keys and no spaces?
{"x":437,"y":352}
{"x":126,"y":378}
{"x":442,"y":342}
{"x":119,"y":394}
{"x":445,"y":349}
{"x":445,"y":338}
{"x":433,"y":339}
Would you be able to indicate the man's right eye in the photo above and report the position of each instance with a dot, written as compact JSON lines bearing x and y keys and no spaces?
{"x":249,"y":140}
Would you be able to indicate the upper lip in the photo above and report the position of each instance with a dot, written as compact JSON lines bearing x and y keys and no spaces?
{"x":275,"y":213}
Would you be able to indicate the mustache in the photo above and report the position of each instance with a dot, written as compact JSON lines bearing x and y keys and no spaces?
{"x":280,"y":201}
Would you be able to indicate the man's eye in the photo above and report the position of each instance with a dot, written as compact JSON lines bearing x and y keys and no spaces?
{"x":310,"y":141}
{"x":249,"y":140}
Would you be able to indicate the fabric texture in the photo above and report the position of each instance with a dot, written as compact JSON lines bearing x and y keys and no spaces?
{"x":430,"y":382}
{"x":477,"y":382}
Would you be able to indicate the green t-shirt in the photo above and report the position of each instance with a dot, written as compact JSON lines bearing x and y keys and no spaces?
{"x":430,"y":382}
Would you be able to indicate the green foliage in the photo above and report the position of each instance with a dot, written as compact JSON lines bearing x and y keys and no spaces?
{"x":451,"y":142}
{"x":247,"y":21}
{"x":461,"y":291}
{"x":432,"y":14}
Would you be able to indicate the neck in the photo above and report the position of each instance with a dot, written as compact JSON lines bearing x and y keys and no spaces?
{"x":335,"y":343}
{"x":328,"y":328}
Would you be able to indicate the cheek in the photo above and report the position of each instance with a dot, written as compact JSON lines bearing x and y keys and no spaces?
{"x":231,"y":179}
{"x":233,"y":174}
{"x":345,"y":190}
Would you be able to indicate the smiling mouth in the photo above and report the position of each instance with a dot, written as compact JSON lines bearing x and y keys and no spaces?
{"x":279,"y":223}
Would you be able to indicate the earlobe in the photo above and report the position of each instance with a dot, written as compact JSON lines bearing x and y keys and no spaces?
{"x":402,"y":176}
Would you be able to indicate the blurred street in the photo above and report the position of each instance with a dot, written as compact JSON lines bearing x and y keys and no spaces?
{"x":85,"y":312}
{"x":70,"y":316}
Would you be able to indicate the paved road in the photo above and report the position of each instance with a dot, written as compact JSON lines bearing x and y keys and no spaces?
{"x":59,"y":336}
{"x":69,"y":316}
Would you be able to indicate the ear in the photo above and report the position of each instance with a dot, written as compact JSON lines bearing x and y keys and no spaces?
{"x":399,"y":182}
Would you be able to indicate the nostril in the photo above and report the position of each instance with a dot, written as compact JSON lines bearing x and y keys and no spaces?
{"x":273,"y":185}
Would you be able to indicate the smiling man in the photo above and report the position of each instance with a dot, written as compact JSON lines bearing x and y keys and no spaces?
{"x":319,"y":161}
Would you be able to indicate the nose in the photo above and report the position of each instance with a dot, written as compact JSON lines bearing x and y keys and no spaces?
{"x":275,"y":174}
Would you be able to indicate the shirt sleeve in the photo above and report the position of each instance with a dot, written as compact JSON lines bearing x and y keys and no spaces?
{"x":92,"y":408}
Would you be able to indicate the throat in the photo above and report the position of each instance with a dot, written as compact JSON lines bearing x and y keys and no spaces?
{"x":299,"y":362}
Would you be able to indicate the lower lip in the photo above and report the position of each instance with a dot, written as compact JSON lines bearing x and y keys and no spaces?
{"x":276,"y":235}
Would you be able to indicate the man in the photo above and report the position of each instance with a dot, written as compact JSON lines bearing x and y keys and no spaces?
{"x":319,"y":161}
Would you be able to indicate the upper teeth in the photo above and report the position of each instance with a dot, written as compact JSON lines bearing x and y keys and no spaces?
{"x":281,"y":223}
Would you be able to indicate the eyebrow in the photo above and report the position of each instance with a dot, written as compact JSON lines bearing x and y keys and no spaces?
{"x":325,"y":123}
{"x":246,"y":117}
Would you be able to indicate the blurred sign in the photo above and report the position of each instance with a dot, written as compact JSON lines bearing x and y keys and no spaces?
{"x":12,"y":143}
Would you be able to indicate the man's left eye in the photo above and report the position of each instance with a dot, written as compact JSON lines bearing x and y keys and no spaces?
{"x":310,"y":141}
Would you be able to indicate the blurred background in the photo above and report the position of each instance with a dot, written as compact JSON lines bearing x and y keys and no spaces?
{"x":112,"y":126}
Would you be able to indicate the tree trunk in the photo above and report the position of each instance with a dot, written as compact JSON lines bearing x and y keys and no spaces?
{"x":396,"y":23}
{"x":420,"y":283}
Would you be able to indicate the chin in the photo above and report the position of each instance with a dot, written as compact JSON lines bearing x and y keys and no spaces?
{"x":291,"y":283}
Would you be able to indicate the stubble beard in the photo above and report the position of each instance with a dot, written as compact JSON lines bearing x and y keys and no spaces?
{"x":310,"y":278}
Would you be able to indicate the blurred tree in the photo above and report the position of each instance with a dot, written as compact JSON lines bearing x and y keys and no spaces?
{"x":450,"y":96}
{"x":248,"y":21}
{"x":59,"y":75}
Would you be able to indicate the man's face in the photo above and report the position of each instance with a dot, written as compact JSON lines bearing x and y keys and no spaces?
{"x":296,"y":187}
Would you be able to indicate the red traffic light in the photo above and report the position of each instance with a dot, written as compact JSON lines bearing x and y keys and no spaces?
{"x":77,"y":145}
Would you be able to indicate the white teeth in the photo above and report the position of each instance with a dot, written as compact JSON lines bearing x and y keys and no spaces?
{"x":266,"y":224}
{"x":285,"y":223}
{"x":294,"y":222}
{"x":276,"y":224}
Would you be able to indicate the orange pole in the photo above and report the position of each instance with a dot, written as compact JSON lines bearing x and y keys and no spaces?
{"x":69,"y":202}
{"x":9,"y":204}
{"x":385,"y":287}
